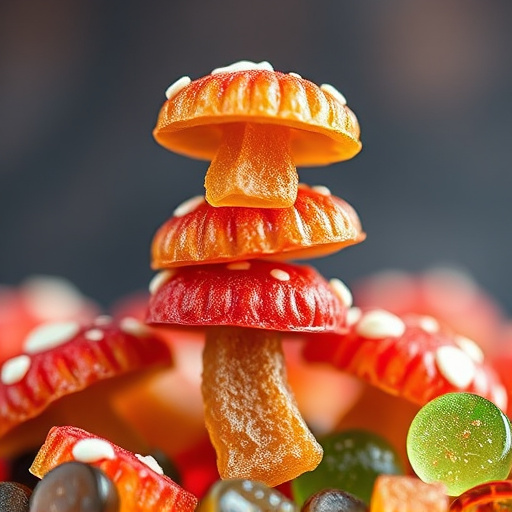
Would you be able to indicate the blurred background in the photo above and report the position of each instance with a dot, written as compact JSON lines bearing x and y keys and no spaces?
{"x":83,"y":186}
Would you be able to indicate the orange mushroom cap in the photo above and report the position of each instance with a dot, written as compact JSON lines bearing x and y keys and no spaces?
{"x":323,"y":129}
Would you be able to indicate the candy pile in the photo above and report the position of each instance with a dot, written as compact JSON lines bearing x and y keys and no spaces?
{"x":109,"y":410}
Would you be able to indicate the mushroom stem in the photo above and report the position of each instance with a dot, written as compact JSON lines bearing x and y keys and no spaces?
{"x":250,"y":411}
{"x":253,"y":167}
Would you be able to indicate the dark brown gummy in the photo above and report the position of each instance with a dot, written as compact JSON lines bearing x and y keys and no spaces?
{"x":75,"y":487}
{"x":14,"y":497}
{"x":333,"y":500}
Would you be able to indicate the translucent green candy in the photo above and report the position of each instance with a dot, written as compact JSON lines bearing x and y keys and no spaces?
{"x":352,"y":460}
{"x":461,"y":440}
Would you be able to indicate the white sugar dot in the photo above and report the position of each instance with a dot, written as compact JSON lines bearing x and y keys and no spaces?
{"x":150,"y":463}
{"x":342,"y":291}
{"x":296,"y":75}
{"x":188,"y":206}
{"x":243,"y":65}
{"x":94,"y":335}
{"x":380,"y":324}
{"x":133,"y":326}
{"x":103,"y":320}
{"x":471,"y":348}
{"x":455,"y":366}
{"x":13,"y":370}
{"x":159,"y":279}
{"x":279,"y":274}
{"x":50,"y":335}
{"x":177,"y":86}
{"x":239,"y":265}
{"x":428,"y":324}
{"x":92,"y":450}
{"x":329,"y":89}
{"x":353,"y":316}
{"x":322,"y":190}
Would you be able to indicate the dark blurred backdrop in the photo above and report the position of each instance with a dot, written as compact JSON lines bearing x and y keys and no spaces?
{"x":83,"y":186}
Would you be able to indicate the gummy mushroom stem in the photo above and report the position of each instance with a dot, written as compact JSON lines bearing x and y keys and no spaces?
{"x":253,"y":167}
{"x":250,"y":412}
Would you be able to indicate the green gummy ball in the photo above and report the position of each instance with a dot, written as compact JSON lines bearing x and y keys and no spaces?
{"x":461,"y":440}
{"x":352,"y":461}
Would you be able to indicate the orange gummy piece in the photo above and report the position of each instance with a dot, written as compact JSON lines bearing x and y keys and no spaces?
{"x":253,"y":167}
{"x":250,"y":412}
{"x":393,"y":493}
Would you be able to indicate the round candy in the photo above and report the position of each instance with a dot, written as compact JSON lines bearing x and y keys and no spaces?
{"x":461,"y":440}
{"x":14,"y":497}
{"x":243,"y":495}
{"x":75,"y":487}
{"x":333,"y":500}
{"x":493,"y":496}
{"x":353,"y":459}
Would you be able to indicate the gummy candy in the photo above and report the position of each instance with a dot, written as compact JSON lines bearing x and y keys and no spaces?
{"x":488,"y":497}
{"x":333,"y":500}
{"x":352,"y":461}
{"x":461,"y":440}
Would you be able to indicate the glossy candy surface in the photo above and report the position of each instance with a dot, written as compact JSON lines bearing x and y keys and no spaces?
{"x":352,"y":461}
{"x":14,"y":497}
{"x":140,"y":481}
{"x":242,"y":496}
{"x":461,"y":440}
{"x":488,"y":497}
{"x":407,"y":494}
{"x":260,"y":294}
{"x":75,"y":487}
{"x":317,"y":224}
{"x":333,"y":500}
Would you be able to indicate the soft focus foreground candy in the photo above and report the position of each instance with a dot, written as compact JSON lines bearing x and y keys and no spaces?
{"x":254,"y":423}
{"x":488,"y":497}
{"x":256,"y":125}
{"x":407,"y":494}
{"x":333,"y":500}
{"x":14,"y":497}
{"x":352,"y":461}
{"x":139,"y":480}
{"x":75,"y":487}
{"x":413,"y":356}
{"x":242,"y":496}
{"x":461,"y":440}
{"x":316,"y":225}
{"x":67,"y":374}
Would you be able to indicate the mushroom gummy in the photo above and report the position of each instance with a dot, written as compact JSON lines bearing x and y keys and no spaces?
{"x":256,"y":124}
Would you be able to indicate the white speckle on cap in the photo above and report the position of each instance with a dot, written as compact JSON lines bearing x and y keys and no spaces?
{"x":238,"y":265}
{"x":296,"y":75}
{"x":159,"y":279}
{"x":13,"y":370}
{"x":342,"y":291}
{"x":471,"y":348}
{"x":428,"y":324}
{"x":50,"y":335}
{"x":378,"y":323}
{"x":279,"y":274}
{"x":243,"y":65}
{"x":353,"y":316}
{"x":94,"y":335}
{"x":322,"y":190}
{"x":177,"y":86}
{"x":92,"y":450}
{"x":103,"y":320}
{"x":188,"y":206}
{"x":131,"y":325}
{"x":329,"y":89}
{"x":455,"y":366}
{"x":150,"y":463}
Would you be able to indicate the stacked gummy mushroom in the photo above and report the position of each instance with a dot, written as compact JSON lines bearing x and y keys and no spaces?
{"x":222,"y":258}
